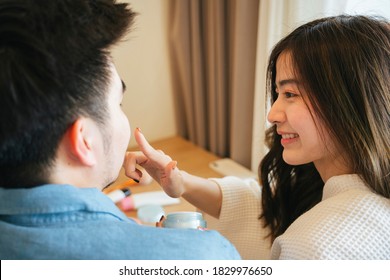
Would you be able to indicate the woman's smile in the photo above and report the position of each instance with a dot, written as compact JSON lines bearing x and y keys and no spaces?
{"x":289,"y":138}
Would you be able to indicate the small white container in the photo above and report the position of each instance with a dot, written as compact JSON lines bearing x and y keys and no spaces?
{"x":150,"y":214}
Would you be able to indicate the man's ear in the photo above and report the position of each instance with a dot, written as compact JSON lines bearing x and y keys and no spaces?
{"x":80,"y":142}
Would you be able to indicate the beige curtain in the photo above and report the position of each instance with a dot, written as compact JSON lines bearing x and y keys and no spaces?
{"x":213,"y":59}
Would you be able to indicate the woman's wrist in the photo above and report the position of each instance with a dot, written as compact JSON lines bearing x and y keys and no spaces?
{"x":203,"y":193}
{"x":186,"y":182}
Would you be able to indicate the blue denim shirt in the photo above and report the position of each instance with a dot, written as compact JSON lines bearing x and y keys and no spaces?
{"x":65,"y":222}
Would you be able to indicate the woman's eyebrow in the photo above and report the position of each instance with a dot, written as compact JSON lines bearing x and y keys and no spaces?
{"x":285,"y":82}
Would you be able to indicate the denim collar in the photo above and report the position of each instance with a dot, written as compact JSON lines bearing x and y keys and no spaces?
{"x":50,"y":199}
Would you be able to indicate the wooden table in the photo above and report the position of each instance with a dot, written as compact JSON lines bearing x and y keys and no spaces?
{"x":189,"y":157}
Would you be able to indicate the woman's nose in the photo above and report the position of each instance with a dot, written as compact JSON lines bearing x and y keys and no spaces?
{"x":276,"y":113}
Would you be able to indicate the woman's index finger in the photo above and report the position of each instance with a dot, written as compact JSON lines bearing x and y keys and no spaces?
{"x":145,"y":147}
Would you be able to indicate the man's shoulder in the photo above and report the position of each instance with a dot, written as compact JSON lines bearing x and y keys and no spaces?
{"x":113,"y":240}
{"x":162,"y":243}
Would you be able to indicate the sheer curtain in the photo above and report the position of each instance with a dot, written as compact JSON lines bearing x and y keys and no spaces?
{"x":276,"y":19}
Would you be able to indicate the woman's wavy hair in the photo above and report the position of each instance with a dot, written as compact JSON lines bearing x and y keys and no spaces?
{"x":343,"y":63}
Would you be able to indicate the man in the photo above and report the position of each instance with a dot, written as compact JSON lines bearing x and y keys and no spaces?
{"x":63,"y":138}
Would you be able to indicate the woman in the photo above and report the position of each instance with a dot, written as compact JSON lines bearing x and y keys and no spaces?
{"x":325,"y":182}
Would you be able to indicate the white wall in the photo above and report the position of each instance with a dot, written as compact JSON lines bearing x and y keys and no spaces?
{"x":143,"y":64}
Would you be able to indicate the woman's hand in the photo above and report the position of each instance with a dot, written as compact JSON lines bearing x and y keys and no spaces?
{"x":202,"y":193}
{"x":158,"y":165}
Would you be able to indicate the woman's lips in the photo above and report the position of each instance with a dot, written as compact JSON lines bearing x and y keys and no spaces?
{"x":288,"y":138}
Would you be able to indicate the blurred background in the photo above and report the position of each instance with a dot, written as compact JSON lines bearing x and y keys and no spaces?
{"x":196,"y":68}
{"x":143,"y":64}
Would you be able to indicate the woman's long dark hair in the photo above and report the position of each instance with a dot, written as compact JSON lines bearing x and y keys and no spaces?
{"x":288,"y":191}
{"x":343,"y":63}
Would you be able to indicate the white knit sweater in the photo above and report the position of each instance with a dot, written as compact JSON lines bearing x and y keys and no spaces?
{"x":351,"y":222}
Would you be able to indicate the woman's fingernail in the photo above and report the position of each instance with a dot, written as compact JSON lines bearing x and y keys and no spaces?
{"x":172,"y":165}
{"x":139,"y":129}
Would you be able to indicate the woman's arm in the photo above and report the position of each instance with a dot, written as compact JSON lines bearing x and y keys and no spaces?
{"x":204,"y":194}
{"x":200,"y":192}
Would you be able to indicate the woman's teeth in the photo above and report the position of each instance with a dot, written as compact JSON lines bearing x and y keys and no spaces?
{"x":289,"y":136}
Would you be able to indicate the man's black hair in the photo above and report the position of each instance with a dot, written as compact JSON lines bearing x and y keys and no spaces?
{"x":54,"y":68}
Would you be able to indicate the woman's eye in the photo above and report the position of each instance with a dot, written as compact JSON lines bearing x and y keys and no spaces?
{"x":289,"y":94}
{"x":285,"y":94}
